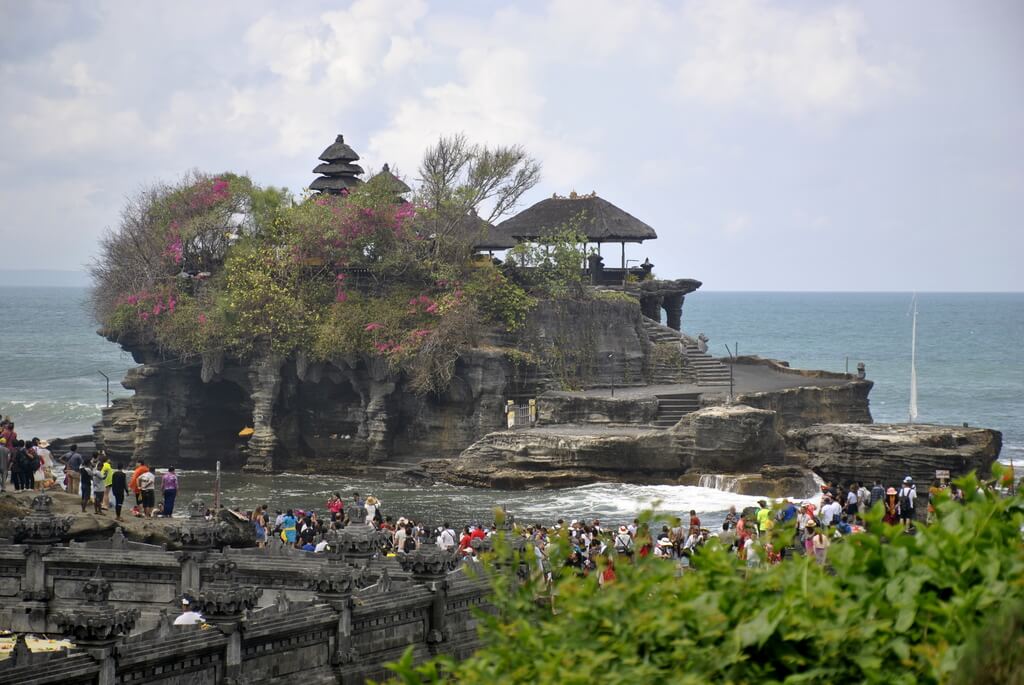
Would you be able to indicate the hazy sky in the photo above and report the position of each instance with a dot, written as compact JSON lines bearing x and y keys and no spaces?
{"x":773,"y":146}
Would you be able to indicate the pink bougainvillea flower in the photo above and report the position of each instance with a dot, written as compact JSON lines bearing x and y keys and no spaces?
{"x":373,"y":326}
{"x":341,"y":296}
{"x":202,"y":318}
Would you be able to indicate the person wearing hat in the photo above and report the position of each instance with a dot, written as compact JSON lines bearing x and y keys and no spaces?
{"x":810,"y":526}
{"x":892,"y":507}
{"x":664,"y":548}
{"x":907,"y":502}
{"x":44,"y":472}
{"x":188,"y":616}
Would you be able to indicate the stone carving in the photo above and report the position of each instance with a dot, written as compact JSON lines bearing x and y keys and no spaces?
{"x":355,"y":541}
{"x":702,"y":343}
{"x":41,"y":527}
{"x":336,"y":582}
{"x":428,"y":563}
{"x":96,"y":623}
{"x":226,"y":604}
{"x":199,"y":533}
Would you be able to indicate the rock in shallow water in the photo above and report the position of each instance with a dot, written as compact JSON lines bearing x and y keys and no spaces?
{"x":845,"y":452}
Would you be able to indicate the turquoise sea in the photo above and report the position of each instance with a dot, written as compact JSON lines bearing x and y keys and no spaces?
{"x":970,"y":368}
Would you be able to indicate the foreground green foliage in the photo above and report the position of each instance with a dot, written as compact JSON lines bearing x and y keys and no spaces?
{"x":891,"y":608}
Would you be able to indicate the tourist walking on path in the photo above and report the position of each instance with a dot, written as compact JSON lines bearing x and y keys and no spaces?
{"x":5,"y":463}
{"x":288,"y":528}
{"x":72,"y":466}
{"x":892,"y":507}
{"x":372,"y":507}
{"x":877,"y":494}
{"x":259,"y":524}
{"x":169,"y":484}
{"x":119,"y":488}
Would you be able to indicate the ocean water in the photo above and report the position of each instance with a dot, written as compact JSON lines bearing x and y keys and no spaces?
{"x":970,"y":369}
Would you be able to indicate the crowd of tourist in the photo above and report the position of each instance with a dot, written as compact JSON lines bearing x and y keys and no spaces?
{"x":30,"y":465}
{"x":750,"y":533}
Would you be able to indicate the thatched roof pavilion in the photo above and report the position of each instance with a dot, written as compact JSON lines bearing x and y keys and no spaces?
{"x":339,"y":173}
{"x":488,"y":236}
{"x":595,"y":217}
{"x":391,"y":182}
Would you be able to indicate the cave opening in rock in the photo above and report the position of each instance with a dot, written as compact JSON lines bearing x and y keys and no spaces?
{"x":210,"y":431}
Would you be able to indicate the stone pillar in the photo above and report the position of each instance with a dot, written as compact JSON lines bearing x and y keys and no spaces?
{"x":224,"y":608}
{"x":334,"y":586}
{"x":265,"y":379}
{"x":98,"y":626}
{"x":596,"y":265}
{"x":431,"y":566}
{"x":673,"y":304}
{"x":650,"y":306}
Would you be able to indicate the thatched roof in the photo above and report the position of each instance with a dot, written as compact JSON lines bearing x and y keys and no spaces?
{"x":392,"y":182}
{"x":599,"y":220}
{"x":487,"y":235}
{"x":338,"y":168}
{"x":339,"y":152}
{"x":334,"y":183}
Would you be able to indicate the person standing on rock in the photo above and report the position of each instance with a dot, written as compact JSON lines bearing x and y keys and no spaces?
{"x":108,"y":474}
{"x":5,"y":463}
{"x":133,"y":483}
{"x":147,"y":488}
{"x":119,"y":489}
{"x":99,"y":485}
{"x":372,"y":507}
{"x":72,"y":465}
{"x":169,"y":484}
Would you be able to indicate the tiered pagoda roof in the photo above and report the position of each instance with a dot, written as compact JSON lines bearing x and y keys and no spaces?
{"x":338,"y":171}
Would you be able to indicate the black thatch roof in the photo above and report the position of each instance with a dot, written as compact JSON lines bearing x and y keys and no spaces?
{"x":392,"y":182}
{"x":599,"y":220}
{"x":339,"y":152}
{"x":338,"y":168}
{"x":487,"y":236}
{"x":334,"y":183}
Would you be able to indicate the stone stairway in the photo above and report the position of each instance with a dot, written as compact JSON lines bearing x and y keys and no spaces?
{"x":701,"y":368}
{"x":667,"y":362}
{"x":671,"y":408}
{"x":709,"y":370}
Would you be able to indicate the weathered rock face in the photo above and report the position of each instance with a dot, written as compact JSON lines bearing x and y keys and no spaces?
{"x":711,"y":440}
{"x":843,"y":453}
{"x":555,"y":407}
{"x":771,"y":481}
{"x":806,"y":406}
{"x":333,"y":416}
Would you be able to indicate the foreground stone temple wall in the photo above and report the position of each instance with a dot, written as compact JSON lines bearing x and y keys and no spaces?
{"x":274,"y":615}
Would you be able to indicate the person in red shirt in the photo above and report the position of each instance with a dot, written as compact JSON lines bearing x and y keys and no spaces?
{"x":465,"y":540}
{"x":694,"y":523}
{"x":133,"y":484}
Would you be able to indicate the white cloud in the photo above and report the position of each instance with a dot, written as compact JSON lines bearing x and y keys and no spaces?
{"x":495,"y":100}
{"x":754,"y":54}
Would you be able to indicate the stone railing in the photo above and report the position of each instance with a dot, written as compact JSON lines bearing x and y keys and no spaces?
{"x":269,"y":617}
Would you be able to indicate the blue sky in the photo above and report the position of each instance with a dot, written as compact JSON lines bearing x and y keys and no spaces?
{"x":773,"y":146}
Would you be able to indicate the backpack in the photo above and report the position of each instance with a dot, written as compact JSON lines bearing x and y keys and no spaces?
{"x":409,"y":544}
{"x":623,"y":543}
{"x":906,"y":504}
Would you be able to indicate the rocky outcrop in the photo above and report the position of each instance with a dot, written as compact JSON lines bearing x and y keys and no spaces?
{"x":333,"y":415}
{"x":808,"y":405}
{"x":555,"y":407}
{"x":843,"y":453}
{"x":711,"y":440}
{"x":771,"y":481}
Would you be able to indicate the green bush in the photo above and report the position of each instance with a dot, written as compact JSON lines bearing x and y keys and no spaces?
{"x":890,"y":608}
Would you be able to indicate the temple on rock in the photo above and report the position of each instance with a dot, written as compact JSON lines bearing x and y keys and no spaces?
{"x":593,"y":382}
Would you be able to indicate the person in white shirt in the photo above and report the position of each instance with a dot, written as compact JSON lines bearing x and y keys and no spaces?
{"x":447,"y":539}
{"x":188,"y":617}
{"x":322,"y":546}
